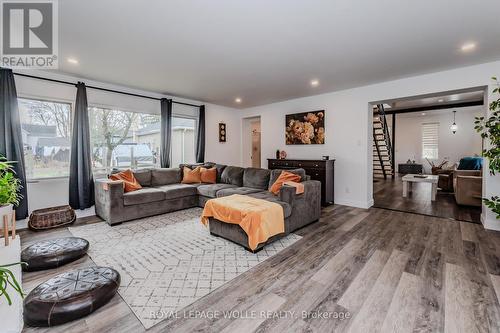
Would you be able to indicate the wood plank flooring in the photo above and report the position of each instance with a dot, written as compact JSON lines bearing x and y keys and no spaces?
{"x":378,"y":270}
{"x":388,"y":194}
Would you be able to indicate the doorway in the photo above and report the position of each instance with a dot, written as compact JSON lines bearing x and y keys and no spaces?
{"x":419,"y":143}
{"x":251,"y":142}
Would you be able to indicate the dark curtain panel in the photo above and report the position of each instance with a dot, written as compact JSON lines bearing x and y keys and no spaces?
{"x":11,"y":140}
{"x":81,"y":181}
{"x":200,"y":139}
{"x":165,"y":132}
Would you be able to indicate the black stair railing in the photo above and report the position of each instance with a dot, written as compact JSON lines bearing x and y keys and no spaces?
{"x":387,"y":139}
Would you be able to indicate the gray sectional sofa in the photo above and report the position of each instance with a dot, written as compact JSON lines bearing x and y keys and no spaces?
{"x":163,"y":192}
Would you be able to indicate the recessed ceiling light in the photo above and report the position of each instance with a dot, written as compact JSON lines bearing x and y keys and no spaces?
{"x":314,"y":83}
{"x":423,"y":113}
{"x":440,"y":100}
{"x":73,"y":61}
{"x":467,"y":47}
{"x":237,"y":100}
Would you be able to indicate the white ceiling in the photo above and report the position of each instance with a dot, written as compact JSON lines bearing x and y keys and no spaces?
{"x":267,"y":51}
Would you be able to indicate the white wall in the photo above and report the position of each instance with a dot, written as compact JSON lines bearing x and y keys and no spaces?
{"x":348,"y":124}
{"x":54,"y":192}
{"x":222,"y":152}
{"x":465,"y":142}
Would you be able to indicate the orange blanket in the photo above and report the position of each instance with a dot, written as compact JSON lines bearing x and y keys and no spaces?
{"x":260,"y":219}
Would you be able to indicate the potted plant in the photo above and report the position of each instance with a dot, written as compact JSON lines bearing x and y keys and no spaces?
{"x":9,"y":187}
{"x":10,"y":272}
{"x":490,"y":129}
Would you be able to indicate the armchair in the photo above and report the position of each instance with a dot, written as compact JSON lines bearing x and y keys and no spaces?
{"x":468,"y":186}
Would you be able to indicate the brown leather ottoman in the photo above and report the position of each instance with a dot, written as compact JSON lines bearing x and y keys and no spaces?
{"x":71,"y":295}
{"x":53,"y":253}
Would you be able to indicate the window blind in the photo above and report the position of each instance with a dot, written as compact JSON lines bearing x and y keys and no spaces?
{"x":430,"y":140}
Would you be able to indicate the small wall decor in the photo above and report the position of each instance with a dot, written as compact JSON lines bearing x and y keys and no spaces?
{"x":222,"y":132}
{"x":305,"y":128}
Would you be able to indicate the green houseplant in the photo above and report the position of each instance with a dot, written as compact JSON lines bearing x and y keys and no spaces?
{"x":9,"y":184}
{"x":489,"y":128}
{"x":9,"y":195}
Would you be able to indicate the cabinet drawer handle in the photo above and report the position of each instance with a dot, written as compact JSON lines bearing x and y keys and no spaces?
{"x":300,"y":164}
{"x":315,"y":165}
{"x":316,"y":174}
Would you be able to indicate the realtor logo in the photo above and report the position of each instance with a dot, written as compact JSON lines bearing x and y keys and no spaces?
{"x":29,"y":34}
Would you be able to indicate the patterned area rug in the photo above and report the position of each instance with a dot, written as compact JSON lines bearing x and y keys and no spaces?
{"x":169,"y":261}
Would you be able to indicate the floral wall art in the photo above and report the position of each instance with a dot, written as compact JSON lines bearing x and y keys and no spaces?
{"x":305,"y":128}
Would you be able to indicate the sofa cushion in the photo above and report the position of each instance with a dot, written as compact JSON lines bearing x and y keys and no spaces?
{"x":285,"y":176}
{"x":165,"y":176}
{"x":142,"y":196}
{"x":191,"y":176}
{"x":287,"y":209}
{"x":232,"y":175}
{"x":256,"y":178}
{"x":174,"y":191}
{"x":130,"y":184}
{"x":212,"y":189}
{"x":195,"y":165}
{"x":277,"y":172}
{"x":470,"y":163}
{"x":236,"y":190}
{"x":209,"y":175}
{"x":220,"y":168}
{"x":143,"y":177}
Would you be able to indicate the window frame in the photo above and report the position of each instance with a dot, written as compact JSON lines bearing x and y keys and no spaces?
{"x":71,"y":117}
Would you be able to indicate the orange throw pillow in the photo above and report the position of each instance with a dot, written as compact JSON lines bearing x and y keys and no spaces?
{"x":209,"y":175}
{"x":285,"y":176}
{"x":299,"y":187}
{"x":191,"y":176}
{"x":129,"y":182}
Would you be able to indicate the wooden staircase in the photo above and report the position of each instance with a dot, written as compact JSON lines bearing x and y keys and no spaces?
{"x":383,"y":160}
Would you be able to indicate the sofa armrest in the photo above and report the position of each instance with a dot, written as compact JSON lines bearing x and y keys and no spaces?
{"x":475,"y":173}
{"x":112,"y":187}
{"x":108,"y":197}
{"x":468,"y":190}
{"x":287,"y":194}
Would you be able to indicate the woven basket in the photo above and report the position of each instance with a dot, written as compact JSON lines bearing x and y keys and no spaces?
{"x":53,"y":217}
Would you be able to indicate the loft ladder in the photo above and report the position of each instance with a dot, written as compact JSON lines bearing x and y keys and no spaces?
{"x":383,"y":159}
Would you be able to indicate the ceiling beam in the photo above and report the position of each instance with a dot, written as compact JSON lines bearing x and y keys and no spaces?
{"x":436,"y":107}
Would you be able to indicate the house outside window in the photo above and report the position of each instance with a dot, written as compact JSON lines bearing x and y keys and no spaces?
{"x":46,"y":134}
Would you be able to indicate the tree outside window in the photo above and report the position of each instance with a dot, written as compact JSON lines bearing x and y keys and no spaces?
{"x":46,"y":133}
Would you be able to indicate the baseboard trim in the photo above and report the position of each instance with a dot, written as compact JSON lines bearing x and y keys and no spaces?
{"x":353,"y":203}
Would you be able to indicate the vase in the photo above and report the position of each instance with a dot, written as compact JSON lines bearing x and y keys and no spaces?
{"x":12,"y":315}
{"x":5,"y":210}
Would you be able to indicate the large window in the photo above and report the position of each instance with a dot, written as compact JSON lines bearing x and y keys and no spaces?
{"x":430,"y":141}
{"x":122,"y":140}
{"x":183,"y":141}
{"x":46,"y":132}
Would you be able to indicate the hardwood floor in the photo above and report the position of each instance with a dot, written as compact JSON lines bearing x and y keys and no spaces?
{"x":388,"y":194}
{"x":380,"y":270}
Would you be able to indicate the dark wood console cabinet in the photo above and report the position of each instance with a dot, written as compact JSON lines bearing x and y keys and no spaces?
{"x":322,"y":170}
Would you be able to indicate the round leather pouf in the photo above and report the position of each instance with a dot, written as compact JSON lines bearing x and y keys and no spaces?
{"x":69,"y":296}
{"x":53,"y":253}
